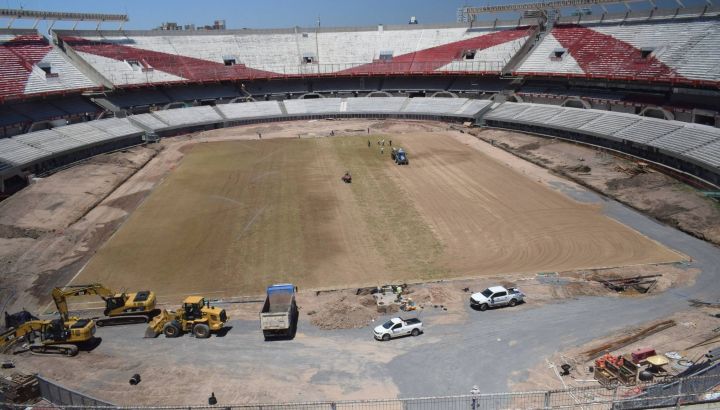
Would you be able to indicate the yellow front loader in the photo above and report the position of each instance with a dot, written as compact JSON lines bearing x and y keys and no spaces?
{"x":195,"y":316}
{"x":121,"y":308}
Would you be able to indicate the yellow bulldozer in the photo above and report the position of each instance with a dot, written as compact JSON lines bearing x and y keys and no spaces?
{"x":57,"y":336}
{"x":120,"y":308}
{"x":195,"y":316}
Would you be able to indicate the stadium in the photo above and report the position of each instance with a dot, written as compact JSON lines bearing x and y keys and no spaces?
{"x":565,"y":151}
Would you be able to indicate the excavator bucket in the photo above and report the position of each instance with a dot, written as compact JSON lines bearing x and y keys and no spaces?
{"x":155,"y":326}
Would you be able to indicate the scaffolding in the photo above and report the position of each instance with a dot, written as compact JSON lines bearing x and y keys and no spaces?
{"x":19,"y":14}
{"x":470,"y":13}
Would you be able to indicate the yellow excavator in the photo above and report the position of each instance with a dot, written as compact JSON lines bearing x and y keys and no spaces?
{"x":57,"y":336}
{"x":120,"y":308}
{"x":195,"y":315}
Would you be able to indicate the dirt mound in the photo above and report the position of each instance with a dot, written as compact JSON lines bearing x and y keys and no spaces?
{"x":431,"y":295}
{"x":10,"y":232}
{"x":529,"y":147}
{"x":346,"y":313}
{"x":575,"y":168}
{"x":585,"y":288}
{"x":648,"y":180}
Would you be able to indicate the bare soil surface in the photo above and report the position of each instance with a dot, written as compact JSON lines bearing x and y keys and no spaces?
{"x":50,"y":228}
{"x":388,"y":224}
{"x":651,"y":192}
{"x":245,"y":214}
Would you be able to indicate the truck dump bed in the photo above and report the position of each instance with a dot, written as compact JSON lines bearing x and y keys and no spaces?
{"x":279,"y":299}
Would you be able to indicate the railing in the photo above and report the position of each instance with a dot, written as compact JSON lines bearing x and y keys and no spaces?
{"x":671,"y":394}
{"x":57,"y":394}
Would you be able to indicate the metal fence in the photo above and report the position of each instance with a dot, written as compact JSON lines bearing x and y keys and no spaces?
{"x":60,"y":395}
{"x":671,"y":394}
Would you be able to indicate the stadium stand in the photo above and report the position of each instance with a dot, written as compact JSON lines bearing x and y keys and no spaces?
{"x":188,"y":116}
{"x":149,"y":122}
{"x":689,"y":147}
{"x":31,"y":66}
{"x":679,"y":50}
{"x":260,"y":109}
{"x":375,"y":104}
{"x":315,"y":106}
{"x":17,"y":154}
{"x":131,"y":58}
{"x":44,"y":150}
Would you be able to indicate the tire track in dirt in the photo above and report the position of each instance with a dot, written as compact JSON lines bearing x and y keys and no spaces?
{"x":496,"y":220}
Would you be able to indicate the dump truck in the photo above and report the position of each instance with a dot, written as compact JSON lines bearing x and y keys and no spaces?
{"x":195,"y":316}
{"x":120,"y":307}
{"x":399,"y":156}
{"x":279,"y":314}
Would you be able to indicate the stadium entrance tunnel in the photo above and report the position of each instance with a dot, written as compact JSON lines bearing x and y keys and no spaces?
{"x":657,"y":112}
{"x":575,"y":102}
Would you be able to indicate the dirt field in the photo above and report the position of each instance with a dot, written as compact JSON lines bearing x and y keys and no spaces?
{"x":248,"y":213}
{"x":653,"y":193}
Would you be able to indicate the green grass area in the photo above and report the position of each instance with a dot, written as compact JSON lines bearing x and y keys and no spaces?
{"x":401,"y":235}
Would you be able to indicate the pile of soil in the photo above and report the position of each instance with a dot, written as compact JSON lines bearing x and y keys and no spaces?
{"x":347,"y":312}
{"x":581,"y":168}
{"x":648,"y":180}
{"x":430,"y":295}
{"x":585,"y":288}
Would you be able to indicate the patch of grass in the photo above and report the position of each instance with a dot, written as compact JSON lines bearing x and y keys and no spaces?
{"x":404,"y":239}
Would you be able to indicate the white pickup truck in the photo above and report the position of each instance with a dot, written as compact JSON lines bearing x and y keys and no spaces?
{"x":396,"y":327}
{"x":495,"y":296}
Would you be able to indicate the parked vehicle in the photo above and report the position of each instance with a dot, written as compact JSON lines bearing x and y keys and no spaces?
{"x":399,"y":156}
{"x":195,"y":316}
{"x":496,"y":296}
{"x":279,"y":313}
{"x":396,"y":327}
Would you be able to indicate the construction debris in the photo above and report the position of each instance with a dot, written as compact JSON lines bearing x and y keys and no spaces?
{"x":19,"y":388}
{"x":637,"y":168}
{"x":632,"y":337}
{"x":642,"y":284}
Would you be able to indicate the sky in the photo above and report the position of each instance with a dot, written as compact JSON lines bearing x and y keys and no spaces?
{"x":147,"y":14}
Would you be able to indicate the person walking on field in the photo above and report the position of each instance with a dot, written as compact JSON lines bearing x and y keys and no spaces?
{"x":368,"y":143}
{"x":391,"y":143}
{"x":382,"y":150}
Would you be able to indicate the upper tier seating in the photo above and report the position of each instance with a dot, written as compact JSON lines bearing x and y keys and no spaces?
{"x":29,"y":65}
{"x":127,"y":58}
{"x":682,"y":51}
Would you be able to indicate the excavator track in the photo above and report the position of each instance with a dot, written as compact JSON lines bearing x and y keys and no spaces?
{"x":65,"y":350}
{"x":121,"y":320}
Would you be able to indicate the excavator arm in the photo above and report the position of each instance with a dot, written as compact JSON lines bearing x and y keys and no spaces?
{"x":12,"y":336}
{"x":60,"y":295}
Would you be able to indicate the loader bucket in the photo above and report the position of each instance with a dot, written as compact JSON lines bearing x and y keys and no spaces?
{"x":155,"y":326}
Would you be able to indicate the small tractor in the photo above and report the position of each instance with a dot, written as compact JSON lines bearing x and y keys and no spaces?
{"x":195,"y":316}
{"x":399,"y":156}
